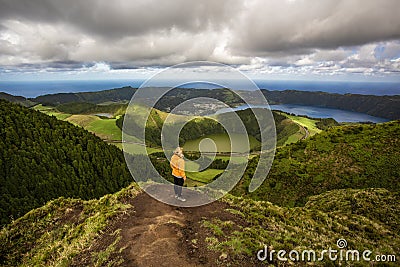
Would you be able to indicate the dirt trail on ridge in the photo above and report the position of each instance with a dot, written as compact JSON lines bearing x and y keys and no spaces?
{"x":157,"y":234}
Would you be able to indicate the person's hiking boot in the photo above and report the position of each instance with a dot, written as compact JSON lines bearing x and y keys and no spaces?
{"x":181,"y":199}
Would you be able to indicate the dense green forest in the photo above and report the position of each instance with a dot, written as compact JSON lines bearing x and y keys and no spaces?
{"x":359,"y":156}
{"x":42,"y":158}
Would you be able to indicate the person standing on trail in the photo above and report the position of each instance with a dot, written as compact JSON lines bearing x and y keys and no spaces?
{"x":178,"y":171}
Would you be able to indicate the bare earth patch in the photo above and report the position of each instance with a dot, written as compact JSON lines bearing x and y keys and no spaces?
{"x":157,"y":234}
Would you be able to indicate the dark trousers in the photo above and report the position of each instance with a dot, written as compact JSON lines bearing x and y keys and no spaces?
{"x":178,"y":183}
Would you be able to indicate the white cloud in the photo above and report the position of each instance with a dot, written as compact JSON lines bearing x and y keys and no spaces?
{"x":293,"y":37}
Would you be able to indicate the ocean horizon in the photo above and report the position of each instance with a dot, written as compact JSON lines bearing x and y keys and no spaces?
{"x":31,"y":89}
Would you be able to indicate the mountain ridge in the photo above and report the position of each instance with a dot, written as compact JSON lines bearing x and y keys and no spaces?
{"x":126,"y":228}
{"x":380,"y":106}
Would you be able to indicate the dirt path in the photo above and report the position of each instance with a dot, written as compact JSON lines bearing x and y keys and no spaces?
{"x":157,"y":234}
{"x":306,"y":132}
{"x":152,"y":235}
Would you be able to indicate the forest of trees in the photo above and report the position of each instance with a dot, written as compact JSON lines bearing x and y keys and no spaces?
{"x":42,"y":158}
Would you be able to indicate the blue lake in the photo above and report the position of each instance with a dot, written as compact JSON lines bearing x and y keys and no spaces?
{"x":318,"y":112}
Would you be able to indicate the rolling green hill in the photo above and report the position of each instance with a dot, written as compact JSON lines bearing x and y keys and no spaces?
{"x":17,"y":99}
{"x":104,"y":128}
{"x":202,"y":126}
{"x":359,"y":156}
{"x":51,"y":111}
{"x":113,"y":95}
{"x":42,"y":158}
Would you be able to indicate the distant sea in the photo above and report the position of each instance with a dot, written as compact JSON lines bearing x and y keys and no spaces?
{"x":32,"y":89}
{"x":36,"y":88}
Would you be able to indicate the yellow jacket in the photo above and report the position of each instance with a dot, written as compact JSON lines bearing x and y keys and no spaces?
{"x":178,"y":166}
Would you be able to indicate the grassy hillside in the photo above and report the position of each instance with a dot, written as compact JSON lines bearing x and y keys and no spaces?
{"x":106,"y":232}
{"x":365,"y":218}
{"x":104,"y":128}
{"x":42,"y":158}
{"x":58,"y":233}
{"x":289,"y":132}
{"x":309,"y":124}
{"x":84,"y":114}
{"x":194,"y":128}
{"x":51,"y":112}
{"x":199,"y":127}
{"x":17,"y":99}
{"x":205,"y":176}
{"x":359,"y":156}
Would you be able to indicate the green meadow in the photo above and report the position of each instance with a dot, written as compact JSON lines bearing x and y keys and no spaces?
{"x":205,"y":176}
{"x":106,"y":128}
{"x":51,"y":111}
{"x":305,"y":122}
{"x":102,"y":127}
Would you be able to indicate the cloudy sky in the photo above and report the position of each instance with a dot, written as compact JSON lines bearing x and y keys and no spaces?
{"x":268,"y":39}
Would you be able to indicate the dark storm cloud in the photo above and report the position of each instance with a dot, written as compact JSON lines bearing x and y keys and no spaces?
{"x":273,"y":26}
{"x":70,"y":64}
{"x":123,"y":18}
{"x":123,"y":66}
{"x":55,"y":66}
